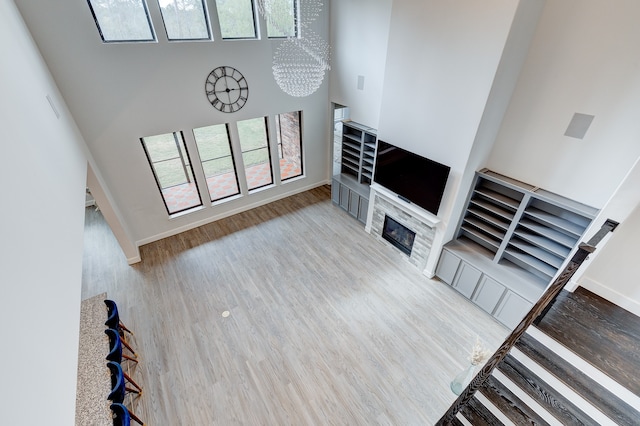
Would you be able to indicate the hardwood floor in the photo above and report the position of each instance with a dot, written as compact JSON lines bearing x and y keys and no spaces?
{"x":326,"y":325}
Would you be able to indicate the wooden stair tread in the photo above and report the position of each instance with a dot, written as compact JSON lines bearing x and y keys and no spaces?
{"x":509,"y":404}
{"x":456,"y":422}
{"x":478,"y":414}
{"x":598,"y":331}
{"x":612,"y":406}
{"x":557,"y":405}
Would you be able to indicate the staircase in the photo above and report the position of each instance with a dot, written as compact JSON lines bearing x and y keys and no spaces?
{"x":580,"y":365}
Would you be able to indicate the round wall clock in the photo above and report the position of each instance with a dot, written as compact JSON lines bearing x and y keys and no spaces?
{"x":226,"y":89}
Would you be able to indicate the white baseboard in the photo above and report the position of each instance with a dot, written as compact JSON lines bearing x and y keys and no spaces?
{"x":611,"y":295}
{"x":429,"y":273}
{"x":133,"y":260}
{"x":240,"y":209}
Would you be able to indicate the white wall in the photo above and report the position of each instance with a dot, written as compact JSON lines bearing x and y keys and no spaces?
{"x":585,"y":58}
{"x":43,"y":174}
{"x":121,"y":92}
{"x":614,"y":273}
{"x":442,"y":59}
{"x":612,"y":270}
{"x":102,"y":200}
{"x":359,"y":35}
{"x":513,"y":57}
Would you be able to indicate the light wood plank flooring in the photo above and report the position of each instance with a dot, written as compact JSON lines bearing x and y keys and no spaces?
{"x":327,"y":325}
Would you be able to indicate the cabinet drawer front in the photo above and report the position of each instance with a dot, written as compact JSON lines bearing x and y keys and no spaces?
{"x":467,"y":280}
{"x":488,"y":294}
{"x":447,"y":267}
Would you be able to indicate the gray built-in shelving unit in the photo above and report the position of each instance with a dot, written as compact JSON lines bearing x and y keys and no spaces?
{"x":350,"y":189}
{"x":510,"y":242}
{"x":358,"y":151}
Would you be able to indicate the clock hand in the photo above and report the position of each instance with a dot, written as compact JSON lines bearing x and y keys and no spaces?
{"x":225,"y":90}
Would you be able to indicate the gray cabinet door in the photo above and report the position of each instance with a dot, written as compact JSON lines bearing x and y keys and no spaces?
{"x":447,"y":267}
{"x":335,"y":191}
{"x":354,"y":203}
{"x":467,"y":279}
{"x":512,"y":309}
{"x":344,"y":197}
{"x":364,"y":209}
{"x":488,"y":294}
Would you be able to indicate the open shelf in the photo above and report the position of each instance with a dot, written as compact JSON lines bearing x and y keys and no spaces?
{"x":493,"y":220}
{"x":535,"y":251}
{"x":543,"y":242}
{"x":495,"y":196}
{"x":555,"y":221}
{"x":354,"y":146}
{"x":506,"y":214}
{"x":530,"y":263}
{"x":480,"y":238}
{"x":549,"y":233}
{"x":497,"y":234}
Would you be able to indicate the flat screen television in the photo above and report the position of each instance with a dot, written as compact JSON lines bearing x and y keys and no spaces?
{"x":412,"y":177}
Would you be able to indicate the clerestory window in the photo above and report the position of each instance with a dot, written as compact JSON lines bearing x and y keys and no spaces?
{"x":281,"y":17}
{"x":237,"y":19}
{"x":185,"y":19}
{"x":122,"y":20}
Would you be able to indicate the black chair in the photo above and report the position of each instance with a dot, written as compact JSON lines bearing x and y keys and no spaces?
{"x":114,"y":322}
{"x":122,"y":416}
{"x":115,"y":347}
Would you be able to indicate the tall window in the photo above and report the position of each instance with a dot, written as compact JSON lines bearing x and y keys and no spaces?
{"x":122,"y":20}
{"x":185,"y":19}
{"x":172,"y":170}
{"x":281,"y":18}
{"x":254,"y":142}
{"x":237,"y":19}
{"x":288,"y":131}
{"x":217,"y":161}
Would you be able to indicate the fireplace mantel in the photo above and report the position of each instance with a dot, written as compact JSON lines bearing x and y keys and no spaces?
{"x":418,"y":212}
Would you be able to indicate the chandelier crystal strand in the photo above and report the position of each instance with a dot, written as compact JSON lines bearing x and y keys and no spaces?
{"x":296,"y":72}
{"x":299,"y":63}
{"x":309,"y":10}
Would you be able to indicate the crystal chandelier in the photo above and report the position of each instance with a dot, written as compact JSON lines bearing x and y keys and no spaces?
{"x":300,"y":62}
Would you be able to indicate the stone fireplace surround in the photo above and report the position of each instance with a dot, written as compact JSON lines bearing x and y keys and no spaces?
{"x":384,"y":202}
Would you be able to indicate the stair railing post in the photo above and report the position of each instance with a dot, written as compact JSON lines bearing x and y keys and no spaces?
{"x":538,"y":309}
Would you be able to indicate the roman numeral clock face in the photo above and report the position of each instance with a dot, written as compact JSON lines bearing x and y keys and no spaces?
{"x":226,"y":89}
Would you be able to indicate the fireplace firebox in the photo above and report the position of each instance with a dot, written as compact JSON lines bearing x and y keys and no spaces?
{"x":398,"y":235}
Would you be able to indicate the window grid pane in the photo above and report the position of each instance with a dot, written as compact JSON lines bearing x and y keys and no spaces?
{"x":289,"y":144}
{"x":254,"y":143}
{"x":122,"y":20}
{"x":172,"y":171}
{"x":281,"y":18}
{"x":236,"y":19}
{"x":185,"y":19}
{"x":217,"y":161}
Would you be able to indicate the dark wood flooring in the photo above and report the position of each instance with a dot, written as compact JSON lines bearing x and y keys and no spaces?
{"x":600,"y":332}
